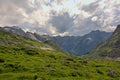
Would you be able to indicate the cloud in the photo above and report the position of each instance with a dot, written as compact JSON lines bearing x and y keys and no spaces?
{"x":62,"y":22}
{"x":103,"y":15}
{"x":57,"y":1}
{"x":13,"y":12}
{"x":92,"y":7}
{"x":57,"y":17}
{"x":94,"y":18}
{"x":83,"y":26}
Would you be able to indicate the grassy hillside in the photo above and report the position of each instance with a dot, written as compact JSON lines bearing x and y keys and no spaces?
{"x":108,"y":49}
{"x":25,"y":59}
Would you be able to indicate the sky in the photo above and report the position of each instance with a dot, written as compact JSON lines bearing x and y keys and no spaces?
{"x":61,"y":17}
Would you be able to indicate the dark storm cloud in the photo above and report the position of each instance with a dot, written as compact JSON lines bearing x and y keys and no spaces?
{"x":62,"y":22}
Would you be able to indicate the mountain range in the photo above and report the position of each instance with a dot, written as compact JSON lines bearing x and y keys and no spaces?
{"x":19,"y":31}
{"x":76,"y":45}
{"x":110,"y":48}
{"x":79,"y":45}
{"x":25,"y":58}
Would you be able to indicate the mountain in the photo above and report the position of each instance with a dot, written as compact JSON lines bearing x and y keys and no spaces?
{"x":110,"y":48}
{"x":67,"y":43}
{"x":22,"y":58}
{"x":77,"y":45}
{"x":80,"y":45}
{"x":14,"y":29}
{"x":33,"y":36}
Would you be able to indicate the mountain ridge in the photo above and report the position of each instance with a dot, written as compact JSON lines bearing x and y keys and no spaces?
{"x":22,"y":58}
{"x":34,"y":36}
{"x":76,"y":45}
{"x":110,"y":48}
{"x":80,"y":45}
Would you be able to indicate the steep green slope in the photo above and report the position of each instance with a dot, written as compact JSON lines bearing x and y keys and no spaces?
{"x":110,"y":48}
{"x":25,"y":59}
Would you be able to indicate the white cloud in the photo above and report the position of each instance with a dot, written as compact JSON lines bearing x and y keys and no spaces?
{"x":14,"y":12}
{"x":94,"y":18}
{"x":60,"y":17}
{"x":104,"y":16}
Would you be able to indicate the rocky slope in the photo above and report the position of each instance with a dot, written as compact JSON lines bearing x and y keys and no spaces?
{"x":33,"y":36}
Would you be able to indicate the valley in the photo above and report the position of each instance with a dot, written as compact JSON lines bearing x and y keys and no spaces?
{"x":22,"y":58}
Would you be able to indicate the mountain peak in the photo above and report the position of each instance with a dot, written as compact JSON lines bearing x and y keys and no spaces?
{"x":14,"y":29}
{"x":110,"y":48}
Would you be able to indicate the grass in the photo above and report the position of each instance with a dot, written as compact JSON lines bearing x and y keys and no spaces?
{"x":23,"y":59}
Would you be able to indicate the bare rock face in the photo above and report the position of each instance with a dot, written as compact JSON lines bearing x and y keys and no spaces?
{"x":42,"y":37}
{"x":31,"y":36}
{"x":19,"y":31}
{"x":15,"y":30}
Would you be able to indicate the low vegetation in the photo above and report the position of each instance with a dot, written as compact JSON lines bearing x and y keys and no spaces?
{"x":23,"y":59}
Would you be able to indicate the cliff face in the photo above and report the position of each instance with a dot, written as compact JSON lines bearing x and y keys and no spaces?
{"x":109,"y":48}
